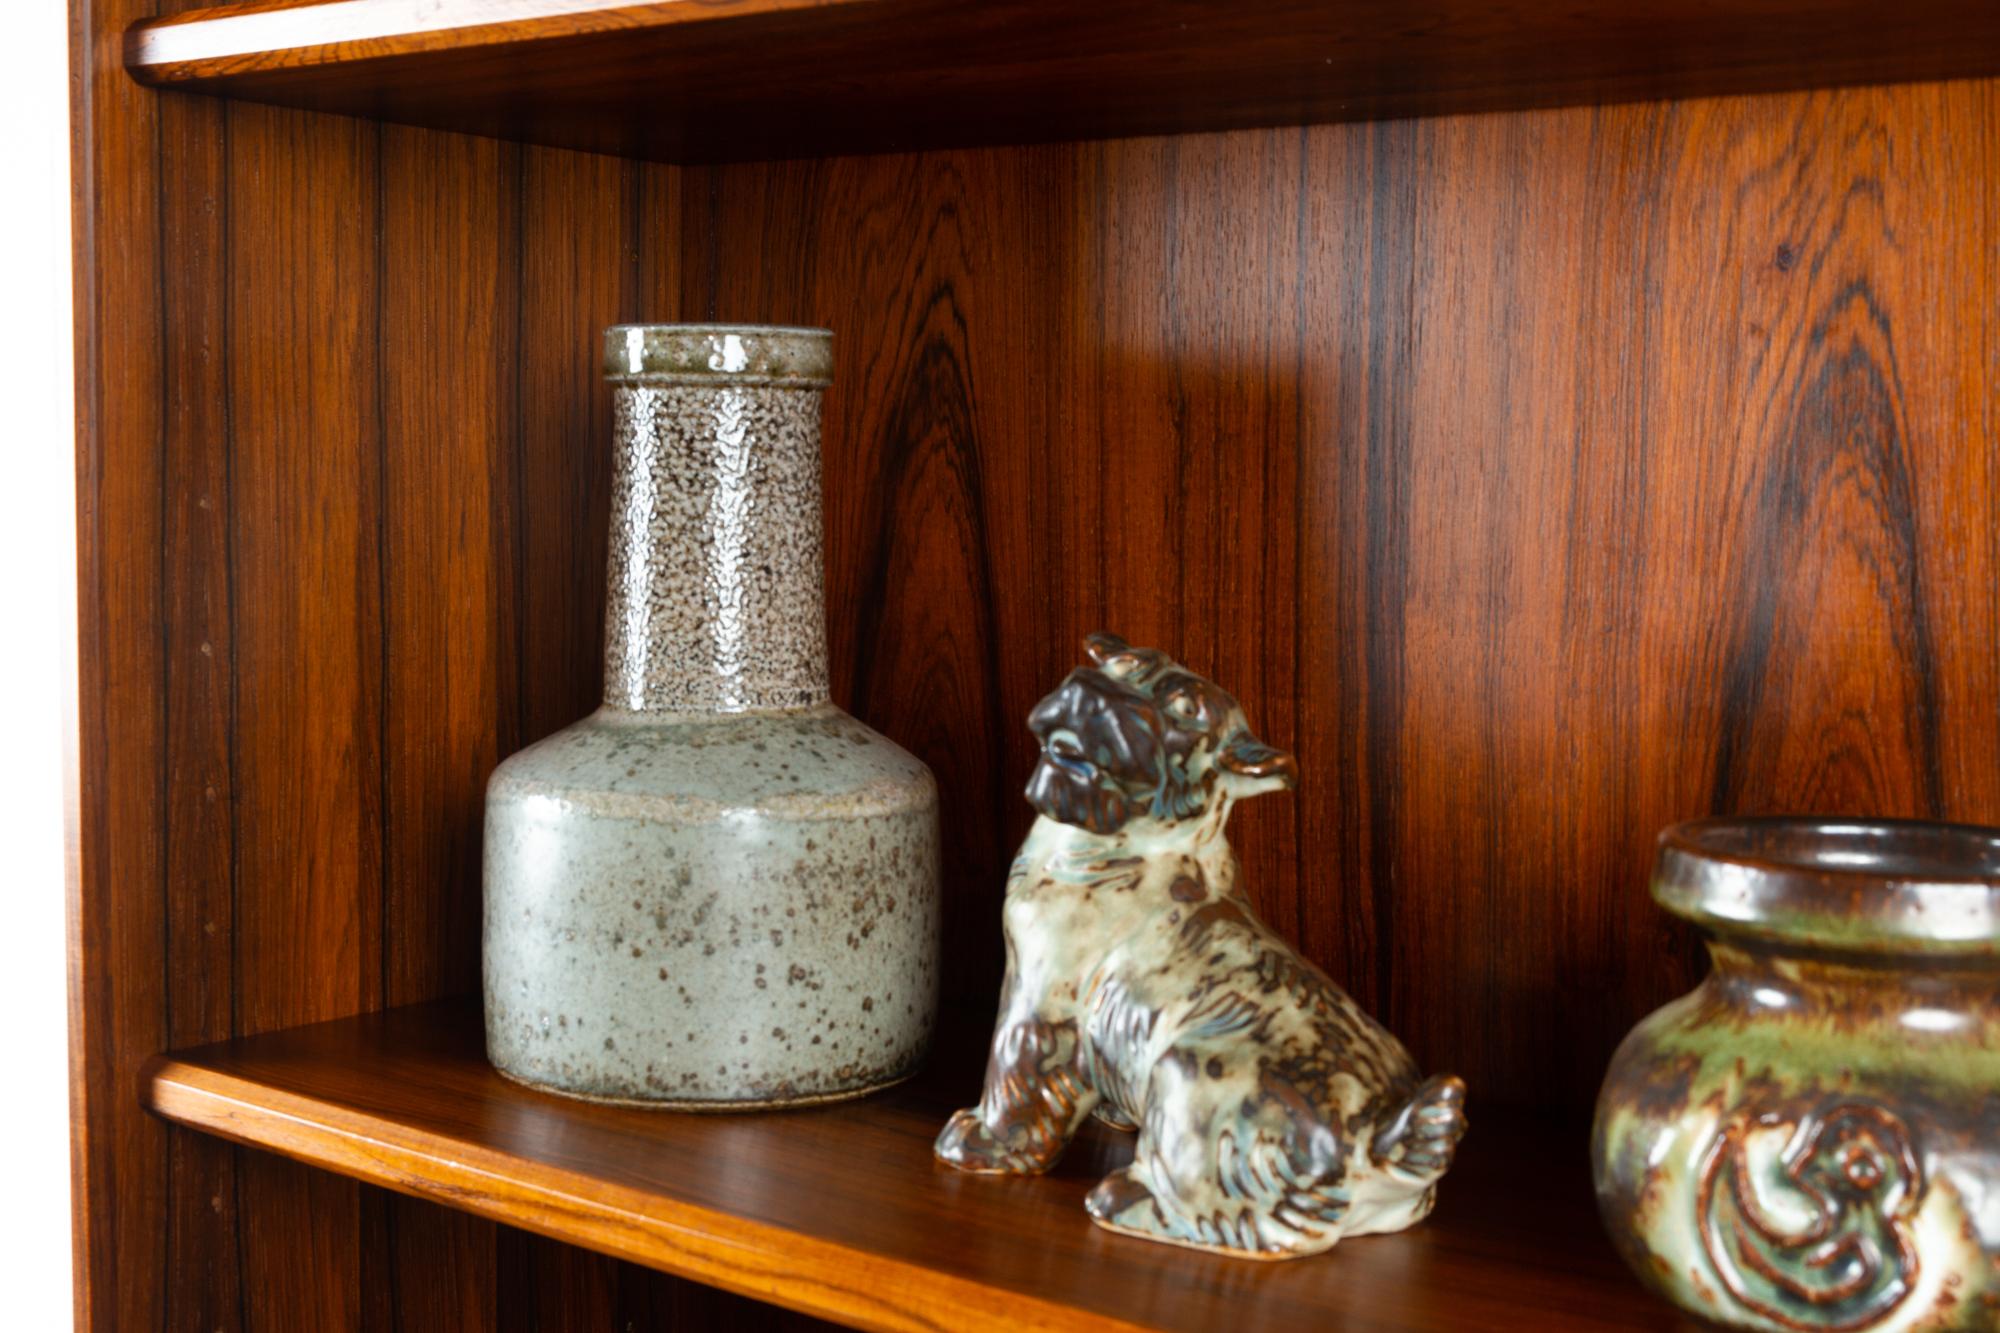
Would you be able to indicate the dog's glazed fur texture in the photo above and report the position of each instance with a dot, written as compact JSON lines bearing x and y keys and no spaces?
{"x":1274,"y":1117}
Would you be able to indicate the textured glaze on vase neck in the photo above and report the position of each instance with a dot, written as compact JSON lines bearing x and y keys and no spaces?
{"x":714,"y":596}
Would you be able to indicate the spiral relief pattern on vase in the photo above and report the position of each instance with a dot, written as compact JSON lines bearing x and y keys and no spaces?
{"x":1818,"y":1236}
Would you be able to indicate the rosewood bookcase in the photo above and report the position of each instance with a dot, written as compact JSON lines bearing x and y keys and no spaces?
{"x":1552,"y":421}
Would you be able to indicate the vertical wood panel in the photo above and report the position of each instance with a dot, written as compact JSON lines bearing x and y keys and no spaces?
{"x":650,"y":1302}
{"x":1746,"y":580}
{"x":1480,"y":873}
{"x":1184,"y":306}
{"x":448,"y":351}
{"x":117,"y":936}
{"x":1353,"y":306}
{"x":305,"y":412}
{"x":655,"y":246}
{"x":1541,"y":479}
{"x":1957,"y":270}
{"x":1834,"y":657}
{"x":197,"y":827}
{"x":546,"y":1285}
{"x":1600,"y":547}
{"x":577,"y":273}
{"x":204,"y":1247}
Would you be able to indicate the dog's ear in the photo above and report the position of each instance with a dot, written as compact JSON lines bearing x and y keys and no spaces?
{"x":1262,"y":767}
{"x":1103,"y":646}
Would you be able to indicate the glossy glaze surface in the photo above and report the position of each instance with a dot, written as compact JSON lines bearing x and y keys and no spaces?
{"x":1274,"y":1116}
{"x":1811,"y":1140}
{"x":719,"y":890}
{"x":711,"y":910}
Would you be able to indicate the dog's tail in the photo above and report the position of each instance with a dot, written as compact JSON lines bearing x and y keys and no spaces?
{"x":1420,"y":1139}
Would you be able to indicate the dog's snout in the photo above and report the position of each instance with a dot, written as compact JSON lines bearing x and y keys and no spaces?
{"x":1052,"y":713}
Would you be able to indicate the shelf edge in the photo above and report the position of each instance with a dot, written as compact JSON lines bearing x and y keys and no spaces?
{"x":201,"y":44}
{"x":715,"y":1248}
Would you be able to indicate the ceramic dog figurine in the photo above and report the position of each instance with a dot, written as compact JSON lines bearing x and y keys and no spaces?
{"x":1274,"y":1116}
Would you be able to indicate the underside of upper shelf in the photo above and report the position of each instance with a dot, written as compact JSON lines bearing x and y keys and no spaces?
{"x":719,"y":80}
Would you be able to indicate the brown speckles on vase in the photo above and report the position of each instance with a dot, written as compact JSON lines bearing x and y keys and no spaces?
{"x":718,"y":823}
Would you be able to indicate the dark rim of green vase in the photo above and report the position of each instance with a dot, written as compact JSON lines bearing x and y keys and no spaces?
{"x":1869,"y":886}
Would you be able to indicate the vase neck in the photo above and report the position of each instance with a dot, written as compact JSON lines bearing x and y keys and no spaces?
{"x":715,"y":600}
{"x":1764,"y":975}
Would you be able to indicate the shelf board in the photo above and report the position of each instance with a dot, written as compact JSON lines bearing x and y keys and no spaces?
{"x":712,"y":80}
{"x":841,"y":1212}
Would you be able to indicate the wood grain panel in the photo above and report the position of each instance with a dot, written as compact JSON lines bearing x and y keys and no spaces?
{"x":307,"y":583}
{"x":1353,"y":306}
{"x":1538,"y":478}
{"x":1831,"y":660}
{"x":1193,"y":412}
{"x":449,"y":325}
{"x":197,"y":824}
{"x":1479,"y":879}
{"x":448,"y":347}
{"x":117,"y":939}
{"x":841,"y":1210}
{"x":301,"y":505}
{"x":1541,"y":479}
{"x":305,"y":411}
{"x":576,"y":275}
{"x":746,"y":79}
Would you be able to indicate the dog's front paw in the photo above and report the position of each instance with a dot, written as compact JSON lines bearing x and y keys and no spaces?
{"x":966,"y":1144}
{"x":1107,"y":1114}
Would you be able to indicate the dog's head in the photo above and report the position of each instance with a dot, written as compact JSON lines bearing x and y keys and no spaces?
{"x":1137,"y":735}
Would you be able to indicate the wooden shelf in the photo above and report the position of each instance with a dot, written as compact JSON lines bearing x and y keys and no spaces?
{"x":841,"y":1212}
{"x":740,"y":79}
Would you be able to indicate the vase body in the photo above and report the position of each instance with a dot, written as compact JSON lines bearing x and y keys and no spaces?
{"x":1811,"y":1139}
{"x":719,"y":890}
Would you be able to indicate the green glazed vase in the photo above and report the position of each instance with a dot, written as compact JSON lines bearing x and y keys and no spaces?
{"x":1811,"y":1139}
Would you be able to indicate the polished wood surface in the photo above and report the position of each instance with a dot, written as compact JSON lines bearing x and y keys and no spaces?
{"x":740,"y":79}
{"x":322,"y":366}
{"x":1539,"y":479}
{"x":841,"y":1211}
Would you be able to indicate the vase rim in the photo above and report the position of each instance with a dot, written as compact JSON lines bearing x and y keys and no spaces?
{"x":782,"y":355}
{"x":1894,"y":886}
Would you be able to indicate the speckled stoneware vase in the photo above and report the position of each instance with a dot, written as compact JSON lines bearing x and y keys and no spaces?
{"x":1811,"y":1140}
{"x":718,"y":891}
